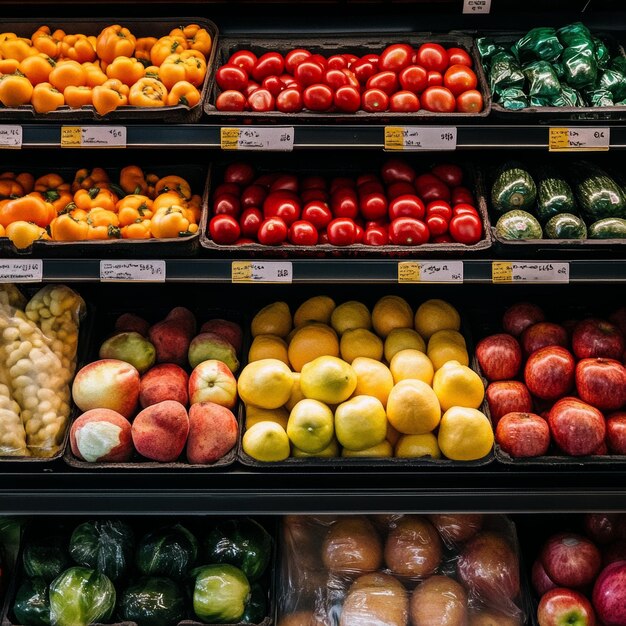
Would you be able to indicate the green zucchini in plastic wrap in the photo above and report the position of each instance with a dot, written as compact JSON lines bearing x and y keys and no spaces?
{"x":81,"y":596}
{"x":45,"y":558}
{"x":32,"y":606}
{"x":243,"y":543}
{"x":554,"y":195}
{"x":167,"y":551}
{"x":513,"y":188}
{"x":538,"y":44}
{"x":256,"y":607}
{"x":565,"y":226}
{"x":220,"y":594}
{"x":518,"y":225}
{"x":543,"y":81}
{"x":104,"y":545}
{"x":597,"y":194}
{"x":152,"y":601}
{"x":608,"y":228}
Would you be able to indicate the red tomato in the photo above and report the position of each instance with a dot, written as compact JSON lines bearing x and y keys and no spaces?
{"x":285,"y":182}
{"x":404,"y":101}
{"x":283,"y":204}
{"x":317,"y":213}
{"x":230,"y":100}
{"x":253,"y":196}
{"x":376,"y":236}
{"x":289,"y":100}
{"x":352,"y":79}
{"x":363,"y":179}
{"x":363,"y":69}
{"x":302,"y":233}
{"x":250,"y":221}
{"x":337,"y":62}
{"x":309,"y":72}
{"x":413,"y":78}
{"x":374,"y":100}
{"x":313,"y":182}
{"x":296,"y":84}
{"x":395,"y":57}
{"x":266,"y":180}
{"x":458,"y":56}
{"x":406,"y":206}
{"x":397,"y":170}
{"x":466,"y":228}
{"x":223,"y":188}
{"x":370,"y":56}
{"x":432,"y":56}
{"x":321,"y":59}
{"x":341,"y":181}
{"x":344,"y":203}
{"x":272,"y":231}
{"x":269,"y":64}
{"x":460,"y":209}
{"x":294,"y":57}
{"x":437,"y":225}
{"x":335,"y":78}
{"x":317,"y":97}
{"x":350,"y":58}
{"x":251,"y":87}
{"x":347,"y":99}
{"x":231,"y":77}
{"x":245,"y":59}
{"x":459,"y":78}
{"x":273,"y":84}
{"x":440,"y":208}
{"x":261,"y":100}
{"x":227,"y":204}
{"x":385,"y":81}
{"x":442,"y":239}
{"x":373,"y":206}
{"x":430,"y":188}
{"x":309,"y":195}
{"x":434,"y":79}
{"x":244,"y":240}
{"x":323,"y":237}
{"x":450,"y":174}
{"x":439,"y":99}
{"x":407,"y":231}
{"x":371,"y":186}
{"x":341,"y":232}
{"x":399,"y":189}
{"x":462,"y":195}
{"x":470,"y":101}
{"x":360,"y":233}
{"x":224,"y":229}
{"x":239,"y":173}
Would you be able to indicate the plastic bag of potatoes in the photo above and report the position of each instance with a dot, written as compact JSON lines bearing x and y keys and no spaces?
{"x":399,"y":570}
{"x":38,"y":345}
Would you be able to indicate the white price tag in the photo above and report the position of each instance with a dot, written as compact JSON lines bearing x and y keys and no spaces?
{"x":257,"y":138}
{"x":93,"y":136}
{"x":420,"y":138}
{"x":430,"y":272}
{"x":10,"y":136}
{"x":518,"y":272}
{"x":262,"y":272}
{"x":143,"y":271}
{"x":12,"y":270}
{"x":579,"y":139}
{"x":476,"y":6}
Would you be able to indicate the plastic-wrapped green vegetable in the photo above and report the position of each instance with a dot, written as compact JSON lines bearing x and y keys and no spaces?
{"x":619,"y":63}
{"x":514,"y":99}
{"x":220,"y":594}
{"x":581,"y":67}
{"x":31,"y":606}
{"x":538,"y":44}
{"x":538,"y":101}
{"x":152,"y":601}
{"x":573,"y":34}
{"x":615,"y":82}
{"x":602,"y":54}
{"x":167,"y":551}
{"x":505,"y":73}
{"x":487,"y":48}
{"x":600,"y":98}
{"x":568,"y":97}
{"x":543,"y":81}
{"x":45,"y":558}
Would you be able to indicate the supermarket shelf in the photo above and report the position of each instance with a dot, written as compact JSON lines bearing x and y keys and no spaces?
{"x":207,"y":136}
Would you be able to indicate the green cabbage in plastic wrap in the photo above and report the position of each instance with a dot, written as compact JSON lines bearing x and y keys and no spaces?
{"x":167,"y":551}
{"x":538,"y":44}
{"x":581,"y":67}
{"x":45,"y":558}
{"x":568,"y":97}
{"x":573,"y":34}
{"x":81,"y":596}
{"x":599,"y":98}
{"x":152,"y":601}
{"x":221,"y":593}
{"x":544,"y":83}
{"x":505,"y":73}
{"x":602,"y":53}
{"x":487,"y":48}
{"x":514,"y":99}
{"x":104,"y":545}
{"x":615,"y":82}
{"x":32,"y":606}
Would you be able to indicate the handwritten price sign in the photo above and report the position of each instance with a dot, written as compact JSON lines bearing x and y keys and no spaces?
{"x":430,"y":272}
{"x":420,"y":138}
{"x":141,"y":271}
{"x":518,"y":272}
{"x":93,"y":137}
{"x":30,"y":271}
{"x":579,"y":139}
{"x":476,"y":6}
{"x":10,"y":136}
{"x":257,"y":138}
{"x":261,"y":272}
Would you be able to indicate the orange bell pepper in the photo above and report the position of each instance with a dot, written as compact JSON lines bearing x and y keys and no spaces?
{"x":23,"y":233}
{"x":66,"y":227}
{"x":140,"y":229}
{"x":68,"y":73}
{"x":78,"y":48}
{"x":189,"y":65}
{"x":30,"y":208}
{"x":114,"y":41}
{"x":102,"y":217}
{"x":37,"y":68}
{"x":46,"y":42}
{"x":166,"y":46}
{"x":171,"y":222}
{"x":54,"y":190}
{"x":16,"y":48}
{"x":197,"y":38}
{"x":88,"y":179}
{"x":143,"y":47}
{"x":95,"y":198}
{"x":27,"y":180}
{"x":126,"y":69}
{"x":152,"y":180}
{"x":109,"y":96}
{"x":2,"y":231}
{"x":174,"y":183}
{"x":194,"y":206}
{"x":95,"y":75}
{"x":77,"y":97}
{"x":147,"y":92}
{"x":15,"y":90}
{"x":183,"y":92}
{"x":152,"y":71}
{"x":10,"y":188}
{"x":9,"y":66}
{"x":46,"y":98}
{"x":133,"y":180}
{"x":133,"y":208}
{"x":167,"y":199}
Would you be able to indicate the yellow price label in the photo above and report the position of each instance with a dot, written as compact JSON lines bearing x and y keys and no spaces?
{"x":241,"y":272}
{"x":229,"y":138}
{"x":394,"y":138}
{"x":408,"y":272}
{"x":502,"y":272}
{"x":559,"y":139}
{"x":579,"y":139}
{"x":71,"y":136}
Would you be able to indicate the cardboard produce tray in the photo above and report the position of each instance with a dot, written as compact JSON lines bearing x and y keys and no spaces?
{"x":327,"y":45}
{"x":144,"y":27}
{"x":335,"y":165}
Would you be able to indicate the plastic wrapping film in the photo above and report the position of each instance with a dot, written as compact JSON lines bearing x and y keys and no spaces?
{"x":38,"y":345}
{"x":396,"y":570}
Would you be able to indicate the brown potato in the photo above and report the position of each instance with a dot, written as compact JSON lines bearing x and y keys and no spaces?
{"x":438,"y":601}
{"x":413,"y":547}
{"x":352,"y":545}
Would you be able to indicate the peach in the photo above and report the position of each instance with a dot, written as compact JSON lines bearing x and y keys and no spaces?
{"x":231,"y":331}
{"x":160,"y":431}
{"x":171,"y":341}
{"x":166,"y":381}
{"x":107,"y":384}
{"x":185,"y":318}
{"x":212,"y":381}
{"x":129,"y":322}
{"x":131,"y":347}
{"x":213,"y":432}
{"x":207,"y":346}
{"x":101,"y":435}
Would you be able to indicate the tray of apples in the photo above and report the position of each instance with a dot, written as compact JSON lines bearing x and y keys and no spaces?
{"x":556,"y":391}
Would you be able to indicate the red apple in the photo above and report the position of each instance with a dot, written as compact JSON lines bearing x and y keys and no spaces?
{"x":212,"y":381}
{"x":499,"y":356}
{"x":616,"y":432}
{"x":523,"y":435}
{"x":601,"y":383}
{"x":231,"y":331}
{"x":577,"y":428}
{"x":565,"y":607}
{"x":541,"y":582}
{"x":521,"y":315}
{"x":614,"y":552}
{"x":549,"y":372}
{"x":594,"y":337}
{"x":570,"y":559}
{"x":609,"y":594}
{"x":601,"y":527}
{"x":618,"y":317}
{"x":602,"y":449}
{"x":541,"y":335}
{"x":507,"y":396}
